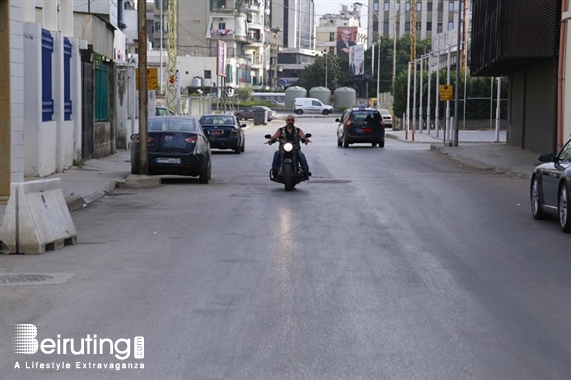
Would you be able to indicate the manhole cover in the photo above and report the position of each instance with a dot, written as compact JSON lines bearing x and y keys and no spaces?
{"x":33,"y":279}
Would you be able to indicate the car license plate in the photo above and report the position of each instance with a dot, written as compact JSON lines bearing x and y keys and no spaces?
{"x":168,"y":160}
{"x":367,"y":130}
{"x":216,"y":132}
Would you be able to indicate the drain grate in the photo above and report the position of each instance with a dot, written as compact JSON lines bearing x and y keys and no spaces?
{"x":33,"y":279}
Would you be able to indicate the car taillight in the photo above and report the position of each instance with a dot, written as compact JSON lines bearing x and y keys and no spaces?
{"x":191,"y":139}
{"x":348,"y":124}
{"x":233,"y":132}
{"x":149,"y":139}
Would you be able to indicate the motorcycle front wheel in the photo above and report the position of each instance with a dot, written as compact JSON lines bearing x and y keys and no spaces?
{"x":288,"y":177}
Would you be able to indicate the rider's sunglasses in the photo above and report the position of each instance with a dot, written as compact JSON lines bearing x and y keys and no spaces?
{"x":290,"y":120}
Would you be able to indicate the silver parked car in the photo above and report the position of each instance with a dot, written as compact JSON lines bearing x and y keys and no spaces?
{"x":550,"y":189}
{"x":387,"y":117}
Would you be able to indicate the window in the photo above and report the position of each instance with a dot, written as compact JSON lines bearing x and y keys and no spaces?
{"x":398,"y":26}
{"x":429,"y":6}
{"x":221,"y":26}
{"x":407,"y":7}
{"x":375,"y":26}
{"x":450,"y":25}
{"x":157,"y":26}
{"x":440,"y":7}
{"x":398,"y":7}
{"x":386,"y":27}
{"x":429,"y":26}
{"x":332,"y":36}
{"x":450,"y":6}
{"x":439,"y":28}
{"x":407,"y":26}
{"x":419,"y":7}
{"x":418,"y":25}
{"x":387,"y":6}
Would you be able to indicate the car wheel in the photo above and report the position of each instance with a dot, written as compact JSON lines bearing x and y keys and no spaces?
{"x":563,"y":208}
{"x":381,"y":144}
{"x":243,"y":148}
{"x":339,"y":142}
{"x":205,"y":174}
{"x":299,"y":112}
{"x":238,"y":150}
{"x":535,"y":197}
{"x":325,"y":112}
{"x":345,"y":143}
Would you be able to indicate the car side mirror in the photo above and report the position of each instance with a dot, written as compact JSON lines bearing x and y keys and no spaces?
{"x":546,"y":157}
{"x":337,"y":120}
{"x":133,"y":137}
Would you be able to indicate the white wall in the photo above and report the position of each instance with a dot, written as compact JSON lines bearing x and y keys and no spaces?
{"x":40,"y":137}
{"x":17,"y":90}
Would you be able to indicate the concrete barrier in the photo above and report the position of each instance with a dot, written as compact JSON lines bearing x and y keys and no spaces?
{"x":37,"y":218}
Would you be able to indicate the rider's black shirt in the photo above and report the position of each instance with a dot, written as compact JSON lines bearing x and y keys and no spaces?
{"x":291,"y":137}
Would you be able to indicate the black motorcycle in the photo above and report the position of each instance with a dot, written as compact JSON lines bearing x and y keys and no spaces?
{"x":290,"y":172}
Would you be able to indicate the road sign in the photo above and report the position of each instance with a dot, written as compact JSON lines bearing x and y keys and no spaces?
{"x":152,"y":78}
{"x":446,"y":92}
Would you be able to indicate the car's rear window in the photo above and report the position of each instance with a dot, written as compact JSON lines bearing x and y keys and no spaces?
{"x":222,"y":120}
{"x":173,"y":125}
{"x":366,"y":115}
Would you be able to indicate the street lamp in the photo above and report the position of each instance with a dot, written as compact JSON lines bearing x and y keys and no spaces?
{"x":379,"y":53}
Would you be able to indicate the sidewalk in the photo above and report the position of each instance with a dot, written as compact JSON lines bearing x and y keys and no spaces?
{"x":98,"y":177}
{"x":479,"y":149}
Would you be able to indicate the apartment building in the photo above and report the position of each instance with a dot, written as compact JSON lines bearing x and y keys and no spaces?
{"x":330,"y":26}
{"x":394,"y":17}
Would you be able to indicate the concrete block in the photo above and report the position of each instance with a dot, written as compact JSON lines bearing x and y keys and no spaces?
{"x":140,"y":181}
{"x":37,"y":218}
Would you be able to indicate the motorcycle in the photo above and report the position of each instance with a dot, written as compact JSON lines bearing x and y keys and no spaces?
{"x":290,"y":172}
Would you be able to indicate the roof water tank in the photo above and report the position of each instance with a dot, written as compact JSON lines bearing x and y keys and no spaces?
{"x":196,"y":82}
{"x":345,"y":97}
{"x":294,"y":92}
{"x":321,"y":93}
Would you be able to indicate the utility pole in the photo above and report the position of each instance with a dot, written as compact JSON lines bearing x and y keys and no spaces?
{"x":143,"y":96}
{"x":171,"y":95}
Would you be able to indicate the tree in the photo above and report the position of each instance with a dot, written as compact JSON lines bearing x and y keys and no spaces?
{"x":244,"y":93}
{"x":314,"y":74}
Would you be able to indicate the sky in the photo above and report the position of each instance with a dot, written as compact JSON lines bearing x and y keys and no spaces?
{"x":334,"y":6}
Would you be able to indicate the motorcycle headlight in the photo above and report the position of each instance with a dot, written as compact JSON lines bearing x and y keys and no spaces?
{"x":288,"y":147}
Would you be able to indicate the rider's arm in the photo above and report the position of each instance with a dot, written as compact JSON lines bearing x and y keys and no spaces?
{"x":302,"y":136}
{"x":275,"y":136}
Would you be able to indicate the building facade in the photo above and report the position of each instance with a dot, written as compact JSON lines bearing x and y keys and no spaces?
{"x":394,"y":17}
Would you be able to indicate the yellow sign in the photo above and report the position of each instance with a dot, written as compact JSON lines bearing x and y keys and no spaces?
{"x":446,"y":92}
{"x":152,"y":78}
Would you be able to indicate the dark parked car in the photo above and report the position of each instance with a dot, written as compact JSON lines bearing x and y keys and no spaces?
{"x":175,"y":145}
{"x":224,"y":131}
{"x":248,"y":113}
{"x":360,"y":125}
{"x":550,"y":190}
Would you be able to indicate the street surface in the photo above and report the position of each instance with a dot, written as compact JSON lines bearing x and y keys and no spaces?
{"x":393,"y":263}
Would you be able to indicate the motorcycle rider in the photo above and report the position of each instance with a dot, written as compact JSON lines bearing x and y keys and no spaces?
{"x":290,"y":131}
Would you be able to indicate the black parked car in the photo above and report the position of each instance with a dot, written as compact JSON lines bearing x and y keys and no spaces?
{"x":224,"y":131}
{"x":175,"y":145}
{"x":550,"y":190}
{"x":361,"y":125}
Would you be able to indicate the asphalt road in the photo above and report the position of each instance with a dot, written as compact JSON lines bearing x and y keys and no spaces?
{"x":391,"y":263}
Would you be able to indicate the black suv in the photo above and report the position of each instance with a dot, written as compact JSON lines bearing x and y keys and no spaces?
{"x":361,"y":125}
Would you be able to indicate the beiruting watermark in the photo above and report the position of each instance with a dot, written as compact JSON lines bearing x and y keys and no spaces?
{"x":25,"y":342}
